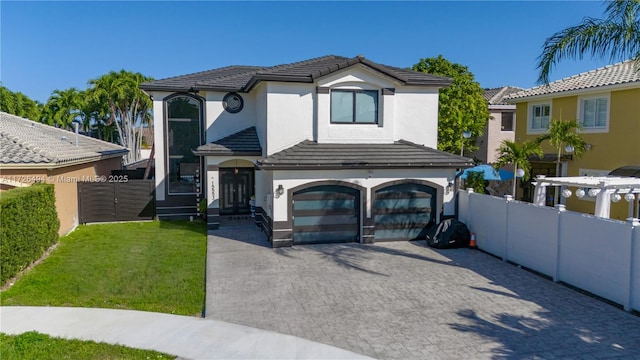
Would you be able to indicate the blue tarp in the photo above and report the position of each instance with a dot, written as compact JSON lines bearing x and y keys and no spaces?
{"x":489,"y":173}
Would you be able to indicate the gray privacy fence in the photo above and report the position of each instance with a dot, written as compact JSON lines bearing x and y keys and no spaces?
{"x":601,"y":256}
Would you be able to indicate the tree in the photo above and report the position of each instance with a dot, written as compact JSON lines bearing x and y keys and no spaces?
{"x":617,"y":35}
{"x":19,"y":104}
{"x":562,"y":134}
{"x":462,"y":106}
{"x":128,"y":107}
{"x":63,"y":107}
{"x":517,"y":155}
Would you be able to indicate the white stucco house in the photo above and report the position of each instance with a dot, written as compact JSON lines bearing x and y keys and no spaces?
{"x":332,"y":149}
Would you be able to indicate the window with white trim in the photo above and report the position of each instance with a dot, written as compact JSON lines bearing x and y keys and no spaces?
{"x":540,"y":116}
{"x":594,"y":112}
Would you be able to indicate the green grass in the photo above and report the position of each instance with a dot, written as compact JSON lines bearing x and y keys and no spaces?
{"x":32,"y":345}
{"x":149,"y":266}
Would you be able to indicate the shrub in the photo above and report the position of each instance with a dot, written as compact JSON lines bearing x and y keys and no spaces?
{"x":28,"y":228}
{"x":475,"y":180}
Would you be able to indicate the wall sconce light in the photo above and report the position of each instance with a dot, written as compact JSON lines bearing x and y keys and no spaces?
{"x":588,"y":146}
{"x":580,"y":193}
{"x":569,"y":149}
{"x":449,"y":187}
{"x":279,"y":191}
{"x":629,"y":197}
{"x":615,"y":198}
{"x":566,"y":193}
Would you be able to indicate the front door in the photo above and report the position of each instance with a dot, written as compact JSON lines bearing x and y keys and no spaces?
{"x":236,"y":189}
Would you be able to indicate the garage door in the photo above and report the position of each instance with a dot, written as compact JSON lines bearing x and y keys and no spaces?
{"x":326,"y":214}
{"x":404,"y":211}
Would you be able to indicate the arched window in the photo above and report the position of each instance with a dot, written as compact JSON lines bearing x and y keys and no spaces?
{"x":183,"y":135}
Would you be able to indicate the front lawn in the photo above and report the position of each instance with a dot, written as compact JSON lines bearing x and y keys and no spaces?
{"x":32,"y":345}
{"x":151,"y":266}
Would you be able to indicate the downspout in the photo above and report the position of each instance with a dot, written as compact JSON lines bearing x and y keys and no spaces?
{"x":455,"y":189}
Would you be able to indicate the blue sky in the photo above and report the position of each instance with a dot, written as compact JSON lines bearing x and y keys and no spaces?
{"x":57,"y":45}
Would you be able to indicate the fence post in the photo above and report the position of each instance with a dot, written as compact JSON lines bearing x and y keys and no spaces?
{"x":556,"y":271}
{"x":629,"y":298}
{"x":469,"y":217}
{"x":505,"y":251}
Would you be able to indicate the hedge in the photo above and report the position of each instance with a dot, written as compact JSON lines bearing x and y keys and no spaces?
{"x":28,"y":227}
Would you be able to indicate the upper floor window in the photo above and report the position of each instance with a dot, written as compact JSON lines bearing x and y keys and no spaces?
{"x":354,"y":106}
{"x":183,"y":135}
{"x":594,"y":112}
{"x":540,"y":117}
{"x":507,"y":121}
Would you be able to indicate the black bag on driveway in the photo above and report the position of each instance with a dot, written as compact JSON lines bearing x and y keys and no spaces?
{"x":450,"y":233}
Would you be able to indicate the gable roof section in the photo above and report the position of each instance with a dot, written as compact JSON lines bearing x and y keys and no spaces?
{"x":27,"y":143}
{"x":245,"y":142}
{"x":401,"y":154}
{"x":495,"y":96}
{"x":244,"y":78}
{"x":616,"y":74}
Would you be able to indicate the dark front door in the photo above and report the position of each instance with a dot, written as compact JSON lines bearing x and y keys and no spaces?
{"x":236,"y":189}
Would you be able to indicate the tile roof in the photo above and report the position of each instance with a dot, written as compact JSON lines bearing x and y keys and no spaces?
{"x":401,"y":154}
{"x":495,"y":96}
{"x":245,"y":142}
{"x":244,"y":78}
{"x":621,"y":73}
{"x":24,"y":141}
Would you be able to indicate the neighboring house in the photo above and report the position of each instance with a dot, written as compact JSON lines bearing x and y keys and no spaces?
{"x":333,"y":149}
{"x":606,"y":101}
{"x":34,"y":152}
{"x":501,"y":126}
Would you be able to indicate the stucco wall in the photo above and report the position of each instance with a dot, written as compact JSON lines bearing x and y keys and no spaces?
{"x":365,"y":178}
{"x":65,"y":184}
{"x":615,"y":148}
{"x":494,"y":135}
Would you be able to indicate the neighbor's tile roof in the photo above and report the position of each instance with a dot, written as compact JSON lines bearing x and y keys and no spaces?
{"x":401,"y":154}
{"x":243,"y":78}
{"x":620,"y":73}
{"x":245,"y":142}
{"x":495,"y":96}
{"x":24,"y":141}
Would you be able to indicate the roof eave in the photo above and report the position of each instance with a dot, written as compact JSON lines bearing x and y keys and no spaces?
{"x":281,"y":78}
{"x":226,"y":153}
{"x":360,"y":166}
{"x":59,"y":164}
{"x":595,"y":89}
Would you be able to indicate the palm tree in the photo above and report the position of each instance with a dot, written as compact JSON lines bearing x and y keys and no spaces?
{"x":63,"y":107}
{"x":616,"y":36}
{"x":518,"y":155}
{"x":128,"y":106}
{"x":561,"y":135}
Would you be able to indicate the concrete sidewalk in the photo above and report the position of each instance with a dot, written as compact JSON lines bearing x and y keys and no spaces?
{"x":183,"y":336}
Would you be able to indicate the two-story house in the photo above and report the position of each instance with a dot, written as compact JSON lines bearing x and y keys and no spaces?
{"x":332,"y":149}
{"x":606,"y":102}
{"x":501,"y":125}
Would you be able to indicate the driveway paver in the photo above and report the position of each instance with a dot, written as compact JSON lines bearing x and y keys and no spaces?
{"x":405,"y":300}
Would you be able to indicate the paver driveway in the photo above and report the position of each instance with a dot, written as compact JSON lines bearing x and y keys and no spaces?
{"x":404,"y":300}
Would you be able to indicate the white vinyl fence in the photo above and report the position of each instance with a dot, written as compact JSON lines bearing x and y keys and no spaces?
{"x":601,"y":256}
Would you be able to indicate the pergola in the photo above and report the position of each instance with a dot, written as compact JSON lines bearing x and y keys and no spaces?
{"x":605,"y":189}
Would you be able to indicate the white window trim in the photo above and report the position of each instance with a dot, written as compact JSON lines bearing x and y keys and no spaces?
{"x":530,"y":116}
{"x":604,"y":129}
